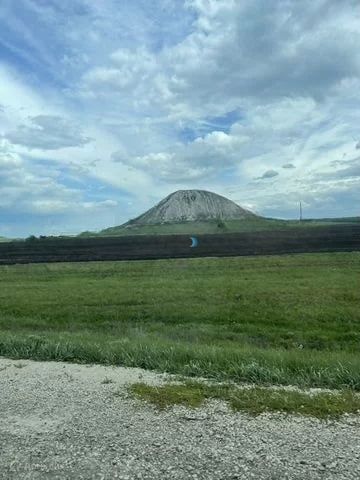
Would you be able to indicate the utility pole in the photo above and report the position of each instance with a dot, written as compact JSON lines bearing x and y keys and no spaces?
{"x":301,"y":213}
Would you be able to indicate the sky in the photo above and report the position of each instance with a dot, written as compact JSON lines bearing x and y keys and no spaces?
{"x":107,"y":106}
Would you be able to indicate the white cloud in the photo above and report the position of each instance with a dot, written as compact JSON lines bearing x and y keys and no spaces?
{"x":17,"y":98}
{"x":202,"y":158}
{"x":47,"y":132}
{"x":9,"y":162}
{"x":128,"y":69}
{"x":234,"y":54}
{"x":58,"y":206}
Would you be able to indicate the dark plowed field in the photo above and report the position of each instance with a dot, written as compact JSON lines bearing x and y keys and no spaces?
{"x":339,"y":238}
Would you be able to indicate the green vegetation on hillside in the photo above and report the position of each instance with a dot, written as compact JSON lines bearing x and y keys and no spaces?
{"x":215,"y":226}
{"x":283,"y":320}
{"x":253,"y":224}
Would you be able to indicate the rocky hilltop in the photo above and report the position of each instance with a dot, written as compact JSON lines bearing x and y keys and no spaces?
{"x":190,"y":206}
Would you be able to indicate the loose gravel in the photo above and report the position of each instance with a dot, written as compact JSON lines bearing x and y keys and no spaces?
{"x":65,"y":421}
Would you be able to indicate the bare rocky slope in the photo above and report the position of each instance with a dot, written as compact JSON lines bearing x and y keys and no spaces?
{"x":192,"y":205}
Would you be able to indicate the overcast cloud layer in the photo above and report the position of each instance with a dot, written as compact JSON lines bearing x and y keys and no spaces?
{"x":108,"y":106}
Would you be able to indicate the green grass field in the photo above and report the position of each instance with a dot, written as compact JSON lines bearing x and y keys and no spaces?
{"x":268,"y":320}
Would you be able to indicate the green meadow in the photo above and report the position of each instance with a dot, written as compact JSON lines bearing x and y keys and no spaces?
{"x":281,"y":320}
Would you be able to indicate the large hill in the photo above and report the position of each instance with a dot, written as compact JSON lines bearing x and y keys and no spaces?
{"x":186,"y":211}
{"x":192,"y":206}
{"x":200,"y":212}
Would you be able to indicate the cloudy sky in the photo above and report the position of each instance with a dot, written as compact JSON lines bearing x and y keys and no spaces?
{"x":106,"y":106}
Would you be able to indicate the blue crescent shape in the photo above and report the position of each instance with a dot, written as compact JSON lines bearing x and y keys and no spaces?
{"x":194,"y":242}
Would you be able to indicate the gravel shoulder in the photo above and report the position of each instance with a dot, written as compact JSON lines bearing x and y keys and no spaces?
{"x":67,"y":421}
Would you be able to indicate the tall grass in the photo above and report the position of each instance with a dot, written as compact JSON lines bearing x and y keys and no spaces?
{"x":245,"y":364}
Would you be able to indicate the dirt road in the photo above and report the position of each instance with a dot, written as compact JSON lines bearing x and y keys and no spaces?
{"x":64,"y":421}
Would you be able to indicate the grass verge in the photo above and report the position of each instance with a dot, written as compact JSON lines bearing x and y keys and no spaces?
{"x":254,"y":400}
{"x":334,"y":370}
